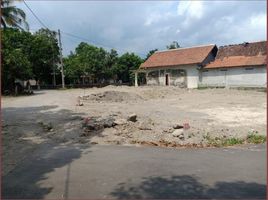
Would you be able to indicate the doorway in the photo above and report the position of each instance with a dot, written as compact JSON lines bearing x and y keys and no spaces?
{"x":167,"y":79}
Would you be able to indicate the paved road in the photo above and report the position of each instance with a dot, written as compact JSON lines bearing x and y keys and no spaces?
{"x":145,"y":172}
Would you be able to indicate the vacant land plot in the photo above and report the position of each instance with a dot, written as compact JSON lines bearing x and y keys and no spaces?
{"x":158,"y":116}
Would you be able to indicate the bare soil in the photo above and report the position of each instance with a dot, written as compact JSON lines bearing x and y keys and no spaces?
{"x":53,"y":115}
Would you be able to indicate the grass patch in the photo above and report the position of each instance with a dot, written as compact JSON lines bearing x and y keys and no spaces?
{"x":255,"y":139}
{"x":232,"y":141}
{"x":252,"y":138}
{"x":223,"y":142}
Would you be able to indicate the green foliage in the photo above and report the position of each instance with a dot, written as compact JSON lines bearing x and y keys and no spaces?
{"x":221,"y":141}
{"x":15,"y":60}
{"x":126,"y":63}
{"x":232,"y":141}
{"x":151,"y":53}
{"x":256,"y":139}
{"x":34,"y":56}
{"x":98,"y":64}
{"x":252,"y":138}
{"x":26,"y":55}
{"x":173,"y":45}
{"x":12,"y":16}
{"x":44,"y":54}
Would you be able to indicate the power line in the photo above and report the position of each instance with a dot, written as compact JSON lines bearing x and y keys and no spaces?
{"x":35,"y":15}
{"x":85,"y":39}
{"x":70,"y":34}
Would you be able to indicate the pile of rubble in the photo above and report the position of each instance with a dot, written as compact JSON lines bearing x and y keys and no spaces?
{"x":112,"y":96}
{"x":93,"y":125}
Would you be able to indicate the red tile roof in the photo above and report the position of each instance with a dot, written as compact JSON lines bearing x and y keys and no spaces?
{"x":246,"y":54}
{"x":245,"y":49}
{"x":181,"y":56}
{"x":237,"y":61}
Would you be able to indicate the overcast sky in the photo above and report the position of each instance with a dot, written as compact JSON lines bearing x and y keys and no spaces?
{"x":139,"y":26}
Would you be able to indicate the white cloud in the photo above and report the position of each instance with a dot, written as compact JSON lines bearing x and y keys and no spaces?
{"x":193,"y":9}
{"x":156,"y":17}
{"x":258,"y":21}
{"x":141,"y":26}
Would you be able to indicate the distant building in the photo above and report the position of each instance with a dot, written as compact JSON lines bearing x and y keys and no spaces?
{"x":233,"y":65}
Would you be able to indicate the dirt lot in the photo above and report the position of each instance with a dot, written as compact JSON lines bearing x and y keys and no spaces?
{"x":161,"y":116}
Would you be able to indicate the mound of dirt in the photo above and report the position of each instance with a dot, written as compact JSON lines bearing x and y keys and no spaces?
{"x":113,"y":96}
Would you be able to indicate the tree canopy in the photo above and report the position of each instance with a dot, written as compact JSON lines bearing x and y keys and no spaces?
{"x":12,"y":16}
{"x":173,"y":45}
{"x":26,"y":55}
{"x":151,"y":52}
{"x":99,"y":64}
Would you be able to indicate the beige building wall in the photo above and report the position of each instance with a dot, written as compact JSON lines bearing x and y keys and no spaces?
{"x":158,"y":76}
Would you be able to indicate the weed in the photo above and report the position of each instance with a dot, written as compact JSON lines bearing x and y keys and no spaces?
{"x":255,"y":139}
{"x":232,"y":141}
{"x":252,"y":138}
{"x":222,"y":141}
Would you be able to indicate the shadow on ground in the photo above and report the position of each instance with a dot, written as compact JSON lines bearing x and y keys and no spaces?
{"x":42,"y":158}
{"x":188,"y":187}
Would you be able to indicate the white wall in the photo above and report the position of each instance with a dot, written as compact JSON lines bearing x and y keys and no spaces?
{"x":235,"y":77}
{"x":192,"y":74}
{"x":192,"y":77}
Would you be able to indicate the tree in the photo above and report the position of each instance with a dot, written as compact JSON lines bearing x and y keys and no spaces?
{"x":111,"y":62}
{"x":173,"y":45}
{"x":72,"y":68}
{"x":87,"y":60}
{"x":44,"y":54}
{"x":126,"y":63}
{"x":150,"y":53}
{"x":15,"y":59}
{"x":26,"y":56}
{"x":12,"y":16}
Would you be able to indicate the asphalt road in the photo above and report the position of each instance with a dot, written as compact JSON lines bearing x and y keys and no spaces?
{"x":90,"y":172}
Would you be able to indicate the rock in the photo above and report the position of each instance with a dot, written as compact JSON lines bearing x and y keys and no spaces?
{"x":108,"y":122}
{"x":132,"y":117}
{"x":92,"y":126}
{"x":120,"y":121}
{"x":181,"y":137}
{"x":177,"y":132}
{"x":177,"y":126}
{"x":144,"y":128}
{"x":94,"y":143}
{"x":146,"y":125}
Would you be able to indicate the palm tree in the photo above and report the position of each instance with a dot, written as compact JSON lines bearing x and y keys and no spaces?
{"x":12,"y":16}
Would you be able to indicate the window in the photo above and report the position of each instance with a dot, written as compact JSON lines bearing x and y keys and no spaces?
{"x":177,"y":72}
{"x":153,"y":74}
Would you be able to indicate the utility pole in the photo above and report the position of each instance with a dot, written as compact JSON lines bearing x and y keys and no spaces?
{"x":61,"y":61}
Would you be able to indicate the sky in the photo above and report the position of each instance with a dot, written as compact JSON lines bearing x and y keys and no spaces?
{"x":140,"y":26}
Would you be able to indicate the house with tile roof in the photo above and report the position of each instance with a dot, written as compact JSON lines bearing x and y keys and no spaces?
{"x":242,"y":65}
{"x":233,"y":65}
{"x":179,"y":67}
